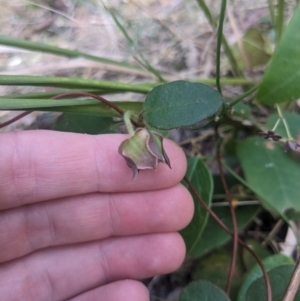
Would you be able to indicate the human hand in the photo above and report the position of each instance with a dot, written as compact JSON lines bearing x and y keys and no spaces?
{"x":75,"y":226}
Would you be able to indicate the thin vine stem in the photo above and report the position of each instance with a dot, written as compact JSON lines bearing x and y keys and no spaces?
{"x":219,"y":43}
{"x":228,"y":51}
{"x":233,"y":215}
{"x":68,"y":94}
{"x":276,"y":125}
{"x":242,"y":96}
{"x":219,"y":221}
{"x":14,"y":119}
{"x":100,"y":98}
{"x":286,"y":126}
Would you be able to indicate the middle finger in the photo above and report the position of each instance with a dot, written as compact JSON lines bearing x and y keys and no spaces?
{"x":92,"y":217}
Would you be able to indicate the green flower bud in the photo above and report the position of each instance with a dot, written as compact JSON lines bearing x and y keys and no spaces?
{"x":144,"y":150}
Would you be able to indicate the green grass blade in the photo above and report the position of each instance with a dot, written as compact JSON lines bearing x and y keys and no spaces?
{"x":233,"y":63}
{"x":54,"y":93}
{"x":279,"y":20}
{"x":140,"y":57}
{"x":207,"y":13}
{"x":70,"y":82}
{"x":84,"y":106}
{"x":219,"y":42}
{"x":34,"y":46}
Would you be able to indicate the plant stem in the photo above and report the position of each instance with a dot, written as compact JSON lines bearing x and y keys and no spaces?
{"x":34,"y":46}
{"x":279,"y":20}
{"x":219,"y":221}
{"x":12,"y":120}
{"x":128,"y":123}
{"x":141,"y":58}
{"x":70,"y":82}
{"x":233,"y":63}
{"x":289,"y":136}
{"x":219,"y":43}
{"x":276,"y":125}
{"x":242,"y":96}
{"x":100,"y":98}
{"x":207,"y":13}
{"x":233,"y":216}
{"x":272,"y":12}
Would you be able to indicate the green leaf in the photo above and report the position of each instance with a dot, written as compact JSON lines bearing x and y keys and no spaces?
{"x":293,"y":121}
{"x":214,"y":236}
{"x":281,"y":80}
{"x":256,"y":50}
{"x":260,"y":250}
{"x":201,"y":178}
{"x":80,"y":123}
{"x":271,"y":173}
{"x":86,"y":106}
{"x":180,"y":103}
{"x":279,"y":278}
{"x":203,"y":290}
{"x":215,"y":268}
{"x":256,"y":272}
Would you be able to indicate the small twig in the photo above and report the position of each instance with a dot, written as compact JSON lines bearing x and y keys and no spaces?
{"x":294,"y":284}
{"x":67,"y":94}
{"x":273,"y":232}
{"x":217,"y":219}
{"x":233,"y":216}
{"x":238,"y":204}
{"x":12,"y":120}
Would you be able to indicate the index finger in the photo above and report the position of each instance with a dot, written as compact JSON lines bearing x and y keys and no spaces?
{"x":43,"y":165}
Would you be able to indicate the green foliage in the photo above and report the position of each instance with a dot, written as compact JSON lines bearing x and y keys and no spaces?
{"x":281,"y":80}
{"x":256,"y":50}
{"x":293,"y":121}
{"x":200,"y":176}
{"x":179,"y":104}
{"x":279,"y":278}
{"x":258,"y":248}
{"x":85,"y":124}
{"x":271,"y":173}
{"x":214,"y":236}
{"x":215,"y":267}
{"x":255,"y":273}
{"x":203,"y":290}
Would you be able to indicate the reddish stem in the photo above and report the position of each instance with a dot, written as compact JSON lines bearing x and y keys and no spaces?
{"x":12,"y":120}
{"x":233,"y":216}
{"x":217,"y":219}
{"x":100,"y":98}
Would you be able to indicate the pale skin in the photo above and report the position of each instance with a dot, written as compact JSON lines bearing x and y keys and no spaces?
{"x":74,"y":226}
